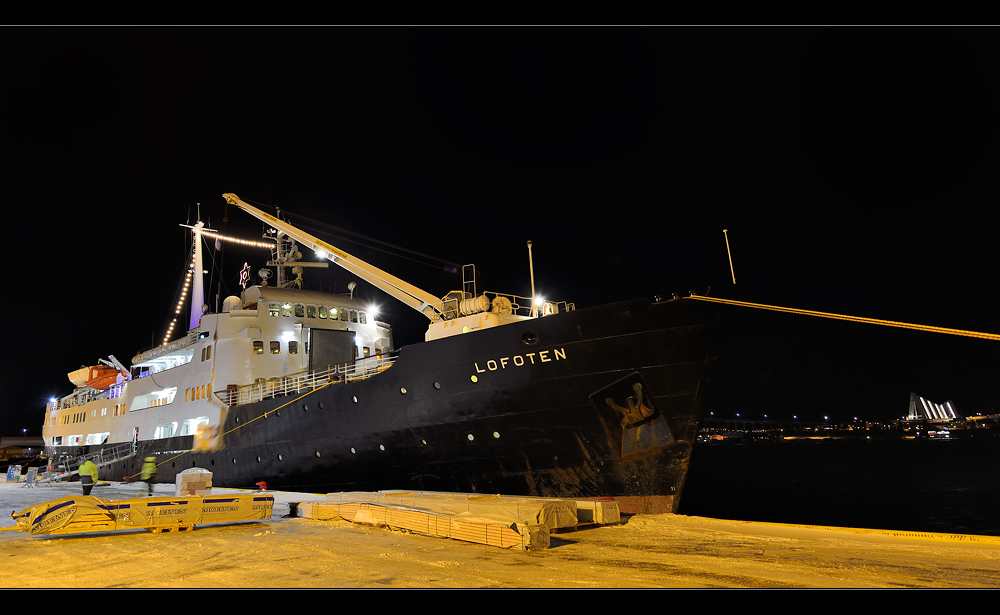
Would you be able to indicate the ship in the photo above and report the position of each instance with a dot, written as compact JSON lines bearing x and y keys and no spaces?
{"x":300,"y":390}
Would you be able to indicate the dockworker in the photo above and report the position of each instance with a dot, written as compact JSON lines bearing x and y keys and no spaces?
{"x":88,"y":476}
{"x":148,"y":474}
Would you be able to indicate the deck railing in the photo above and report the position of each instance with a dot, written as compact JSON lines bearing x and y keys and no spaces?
{"x":303,"y":382}
{"x":63,"y":466}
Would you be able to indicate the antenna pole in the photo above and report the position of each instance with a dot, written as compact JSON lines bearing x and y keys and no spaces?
{"x":724,"y":232}
{"x":531,"y":271}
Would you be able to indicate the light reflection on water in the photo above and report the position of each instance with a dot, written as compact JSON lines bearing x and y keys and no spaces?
{"x":915,"y":485}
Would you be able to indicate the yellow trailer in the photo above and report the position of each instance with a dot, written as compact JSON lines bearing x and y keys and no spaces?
{"x":76,"y":514}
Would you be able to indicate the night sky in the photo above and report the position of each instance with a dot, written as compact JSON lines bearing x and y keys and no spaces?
{"x":855,"y":170}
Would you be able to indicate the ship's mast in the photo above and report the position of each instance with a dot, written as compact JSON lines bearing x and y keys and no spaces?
{"x":420,"y":300}
{"x":197,"y":279}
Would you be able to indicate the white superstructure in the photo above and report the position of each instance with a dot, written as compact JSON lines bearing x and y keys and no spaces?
{"x":264,"y":335}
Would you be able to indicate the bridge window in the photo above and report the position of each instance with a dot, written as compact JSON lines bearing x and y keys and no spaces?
{"x":322,"y":311}
{"x":310,"y":311}
{"x":286,"y":309}
{"x":164,"y":431}
{"x":258,"y":347}
{"x":275,"y":347}
{"x":362,"y":318}
{"x":343,"y":315}
{"x":190,"y":426}
{"x":97,"y":438}
{"x":300,"y":310}
{"x":293,"y":347}
{"x":272,"y":309}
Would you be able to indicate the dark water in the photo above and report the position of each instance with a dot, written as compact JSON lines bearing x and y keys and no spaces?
{"x":946,"y":486}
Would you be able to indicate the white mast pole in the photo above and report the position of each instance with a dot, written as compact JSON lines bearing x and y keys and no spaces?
{"x":197,"y":279}
{"x":531,"y":270}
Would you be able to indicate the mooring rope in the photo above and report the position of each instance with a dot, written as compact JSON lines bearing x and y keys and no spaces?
{"x":873,"y":321}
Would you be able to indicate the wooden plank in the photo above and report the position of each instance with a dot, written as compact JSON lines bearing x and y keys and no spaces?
{"x":553,"y":513}
{"x":509,"y":533}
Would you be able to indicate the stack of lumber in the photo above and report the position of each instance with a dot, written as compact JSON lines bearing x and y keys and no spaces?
{"x":497,"y":520}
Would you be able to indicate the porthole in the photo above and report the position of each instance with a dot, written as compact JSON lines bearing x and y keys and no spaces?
{"x":402,"y":390}
{"x":529,"y":337}
{"x":320,"y":404}
{"x":437,"y":385}
{"x":237,"y":419}
{"x":471,"y":437}
{"x":258,"y":458}
{"x":305,"y":407}
{"x":213,"y":462}
{"x":172,"y":464}
{"x":353,"y":452}
{"x":354,"y":398}
{"x":381,"y":447}
{"x":280,"y":458}
{"x":317,"y":453}
{"x":277,"y":413}
{"x":423,"y":442}
{"x":234,"y":460}
{"x":496,"y":434}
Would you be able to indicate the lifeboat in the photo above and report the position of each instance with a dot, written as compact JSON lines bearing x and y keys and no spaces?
{"x":99,"y":377}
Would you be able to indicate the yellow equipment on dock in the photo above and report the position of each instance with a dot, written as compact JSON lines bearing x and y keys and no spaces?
{"x":76,"y":514}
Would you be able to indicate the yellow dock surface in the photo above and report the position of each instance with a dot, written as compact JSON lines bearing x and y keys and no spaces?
{"x":641,"y":551}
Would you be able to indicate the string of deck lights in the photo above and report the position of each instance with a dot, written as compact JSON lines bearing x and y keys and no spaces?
{"x":190,"y":273}
{"x":180,"y":304}
{"x":243,"y":242}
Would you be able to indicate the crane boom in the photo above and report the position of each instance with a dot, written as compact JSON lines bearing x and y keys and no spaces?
{"x":420,"y":300}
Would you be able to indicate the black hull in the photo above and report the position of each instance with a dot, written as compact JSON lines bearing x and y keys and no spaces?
{"x":521,"y":409}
